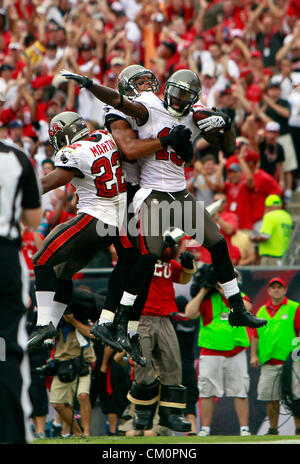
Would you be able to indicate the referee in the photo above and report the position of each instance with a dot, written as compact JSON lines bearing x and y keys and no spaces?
{"x":19,"y":202}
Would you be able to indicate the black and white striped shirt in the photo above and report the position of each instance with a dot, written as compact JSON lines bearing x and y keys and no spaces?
{"x":18,"y":188}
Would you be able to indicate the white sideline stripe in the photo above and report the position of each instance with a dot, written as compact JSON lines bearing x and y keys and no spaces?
{"x":26,"y":379}
{"x":22,"y":339}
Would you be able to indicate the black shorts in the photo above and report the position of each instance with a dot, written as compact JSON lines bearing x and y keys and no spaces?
{"x":70,"y":246}
{"x":162,"y":210}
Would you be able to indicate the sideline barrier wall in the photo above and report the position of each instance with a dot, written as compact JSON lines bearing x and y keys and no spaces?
{"x":255,"y":279}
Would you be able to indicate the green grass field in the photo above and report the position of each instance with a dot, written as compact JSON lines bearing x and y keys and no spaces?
{"x":281,"y":439}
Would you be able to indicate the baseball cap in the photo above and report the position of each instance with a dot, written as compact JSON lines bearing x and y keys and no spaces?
{"x":117,"y":61}
{"x":241,"y":141}
{"x":273,"y":200}
{"x":252,"y":156}
{"x":158,"y":17}
{"x":274,"y":83}
{"x":245,"y":73}
{"x":273,"y":126}
{"x":209,"y":71}
{"x":85,"y":46}
{"x":256,"y":54}
{"x":51,"y":44}
{"x":234,"y":167}
{"x":15,"y":46}
{"x":277,"y":280}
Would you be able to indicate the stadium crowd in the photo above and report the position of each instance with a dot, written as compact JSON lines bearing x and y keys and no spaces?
{"x":247,"y":55}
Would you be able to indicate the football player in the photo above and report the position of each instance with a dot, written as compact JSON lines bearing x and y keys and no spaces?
{"x":162,"y":179}
{"x":92,"y":163}
{"x":93,"y":167}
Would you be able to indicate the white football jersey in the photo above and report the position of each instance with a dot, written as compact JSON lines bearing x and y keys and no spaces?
{"x":164,"y":170}
{"x":101,"y":187}
{"x":131,"y":168}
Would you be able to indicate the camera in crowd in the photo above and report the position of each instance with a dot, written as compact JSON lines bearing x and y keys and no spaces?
{"x":204,"y":277}
{"x":65,"y":370}
{"x":48,"y":369}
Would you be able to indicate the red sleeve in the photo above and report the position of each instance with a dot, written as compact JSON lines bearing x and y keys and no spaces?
{"x":274,"y":187}
{"x":7,"y":115}
{"x":176,"y":271}
{"x":206,"y":311}
{"x":42,"y":81}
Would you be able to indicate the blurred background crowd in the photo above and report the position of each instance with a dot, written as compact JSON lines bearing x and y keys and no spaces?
{"x":247,"y":55}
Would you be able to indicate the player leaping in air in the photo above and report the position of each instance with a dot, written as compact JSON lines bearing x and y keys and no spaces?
{"x":162,"y":179}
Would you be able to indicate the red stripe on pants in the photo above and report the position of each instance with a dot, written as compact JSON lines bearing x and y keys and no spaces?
{"x":142,"y":244}
{"x":63,"y":238}
{"x":125,"y":242}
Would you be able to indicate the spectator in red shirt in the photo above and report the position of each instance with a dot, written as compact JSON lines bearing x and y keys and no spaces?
{"x":228,"y":223}
{"x":14,"y":52}
{"x":238,"y":196}
{"x":253,"y":91}
{"x":259,"y":183}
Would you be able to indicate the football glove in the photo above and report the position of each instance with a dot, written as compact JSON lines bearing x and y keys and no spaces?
{"x":177,"y":137}
{"x":187,"y":259}
{"x":81,"y":81}
{"x":217,"y":120}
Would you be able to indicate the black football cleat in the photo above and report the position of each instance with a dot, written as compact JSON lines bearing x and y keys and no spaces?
{"x":121,"y":325}
{"x":136,"y":351}
{"x":106,"y":333}
{"x":40,"y":334}
{"x":240,"y":317}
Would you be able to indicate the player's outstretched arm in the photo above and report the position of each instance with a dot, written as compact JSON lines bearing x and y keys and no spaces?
{"x":109,"y":96}
{"x":57,"y":178}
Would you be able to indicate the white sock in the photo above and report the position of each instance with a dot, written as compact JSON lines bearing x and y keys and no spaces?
{"x":132,"y":328}
{"x":244,"y":427}
{"x":57,"y":310}
{"x":55,"y":424}
{"x":128,"y":299}
{"x":44,"y":301}
{"x":231,"y":288}
{"x":106,"y":316}
{"x":205,"y":428}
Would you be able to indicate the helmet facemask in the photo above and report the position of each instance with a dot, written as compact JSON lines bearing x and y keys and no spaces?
{"x":129,"y":87}
{"x":179,"y":98}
